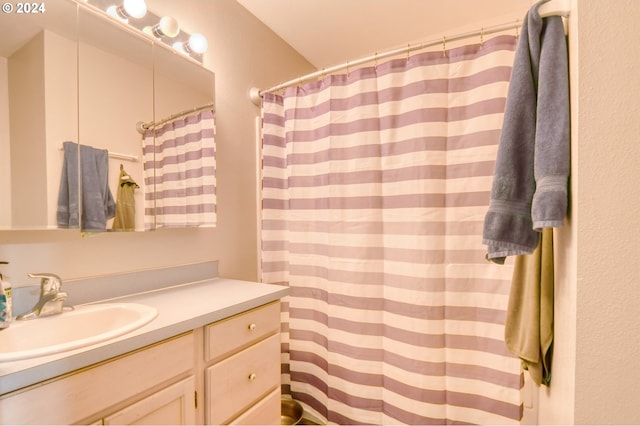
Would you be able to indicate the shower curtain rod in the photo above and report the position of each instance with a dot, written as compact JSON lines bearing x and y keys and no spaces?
{"x":142,"y":127}
{"x":550,"y":8}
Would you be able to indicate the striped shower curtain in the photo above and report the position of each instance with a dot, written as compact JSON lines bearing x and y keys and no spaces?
{"x":180,"y":173}
{"x":375,"y":186}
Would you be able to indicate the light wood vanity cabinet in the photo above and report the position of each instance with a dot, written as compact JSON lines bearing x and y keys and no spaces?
{"x":242,"y":377}
{"x":234,"y":363}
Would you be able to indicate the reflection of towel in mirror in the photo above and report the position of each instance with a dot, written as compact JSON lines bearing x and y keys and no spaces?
{"x":125,"y":219}
{"x":98,"y":205}
{"x":68,"y":203}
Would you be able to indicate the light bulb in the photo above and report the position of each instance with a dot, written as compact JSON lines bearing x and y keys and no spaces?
{"x":167,"y":26}
{"x":128,"y":9}
{"x":113,"y":11}
{"x":135,"y":8}
{"x":197,"y":43}
{"x":179,"y":46}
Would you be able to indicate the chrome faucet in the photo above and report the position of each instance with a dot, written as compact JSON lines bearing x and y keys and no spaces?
{"x":51,"y":297}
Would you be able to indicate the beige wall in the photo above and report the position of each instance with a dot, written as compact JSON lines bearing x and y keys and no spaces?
{"x":243,"y":53}
{"x":597,"y":293}
{"x":607,"y":205}
{"x":5,"y":160}
{"x":27,"y":124}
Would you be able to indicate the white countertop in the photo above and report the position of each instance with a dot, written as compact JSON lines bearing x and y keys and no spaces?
{"x":180,"y":309}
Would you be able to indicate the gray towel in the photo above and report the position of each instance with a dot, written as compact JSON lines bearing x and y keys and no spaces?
{"x":532,"y":167}
{"x":68,"y":214}
{"x":98,"y":205}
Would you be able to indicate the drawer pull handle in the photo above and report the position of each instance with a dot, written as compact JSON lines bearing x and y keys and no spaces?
{"x":252,"y":377}
{"x":252,"y":326}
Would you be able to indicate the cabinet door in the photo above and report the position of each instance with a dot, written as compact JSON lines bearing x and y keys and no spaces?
{"x":173,"y":405}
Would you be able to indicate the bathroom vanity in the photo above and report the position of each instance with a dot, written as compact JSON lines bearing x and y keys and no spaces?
{"x":211,"y":356}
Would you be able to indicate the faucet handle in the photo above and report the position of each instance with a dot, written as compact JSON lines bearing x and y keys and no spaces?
{"x":49,"y":283}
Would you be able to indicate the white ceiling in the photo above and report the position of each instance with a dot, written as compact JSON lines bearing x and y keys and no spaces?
{"x":331,"y":32}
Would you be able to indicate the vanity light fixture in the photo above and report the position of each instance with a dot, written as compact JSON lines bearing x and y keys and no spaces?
{"x":164,"y":30}
{"x":128,"y":9}
{"x":197,"y":43}
{"x":167,"y":27}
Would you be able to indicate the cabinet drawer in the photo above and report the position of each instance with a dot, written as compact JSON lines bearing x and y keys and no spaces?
{"x":239,"y":381}
{"x":227,"y":336}
{"x":265,"y":412}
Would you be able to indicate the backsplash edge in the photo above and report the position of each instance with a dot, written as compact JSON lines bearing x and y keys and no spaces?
{"x":91,"y":289}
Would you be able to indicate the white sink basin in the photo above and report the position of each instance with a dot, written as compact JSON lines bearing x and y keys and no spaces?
{"x":83,"y":326}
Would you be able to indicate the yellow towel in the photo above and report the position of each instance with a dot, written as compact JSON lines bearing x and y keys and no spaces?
{"x":125,"y":217}
{"x":529,"y":323}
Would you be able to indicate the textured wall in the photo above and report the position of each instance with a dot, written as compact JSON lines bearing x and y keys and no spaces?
{"x":597,"y":294}
{"x":608,"y":202}
{"x":5,"y":170}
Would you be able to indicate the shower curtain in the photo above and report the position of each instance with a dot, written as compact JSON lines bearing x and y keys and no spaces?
{"x":180,"y":173}
{"x":375,"y":186}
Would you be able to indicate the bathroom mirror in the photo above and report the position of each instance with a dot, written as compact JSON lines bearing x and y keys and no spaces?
{"x":115,"y":91}
{"x":181,"y":85}
{"x":38,"y":110}
{"x":181,"y":151}
{"x":91,"y":80}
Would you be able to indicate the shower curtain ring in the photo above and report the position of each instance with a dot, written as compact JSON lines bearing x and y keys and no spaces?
{"x":517,"y":28}
{"x":444,"y":46}
{"x":481,"y":36}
